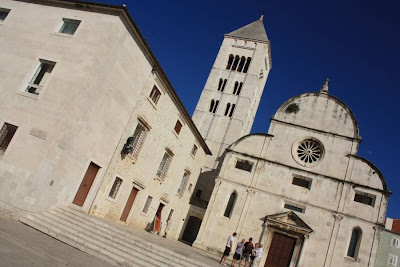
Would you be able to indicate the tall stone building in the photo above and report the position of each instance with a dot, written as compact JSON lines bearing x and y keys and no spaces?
{"x":228,"y":105}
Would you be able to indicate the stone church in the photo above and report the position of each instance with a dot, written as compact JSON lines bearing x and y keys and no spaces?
{"x":300,"y":189}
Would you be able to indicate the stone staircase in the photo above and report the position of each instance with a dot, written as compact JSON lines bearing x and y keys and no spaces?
{"x":103,"y":240}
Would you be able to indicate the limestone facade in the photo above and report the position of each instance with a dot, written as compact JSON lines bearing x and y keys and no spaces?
{"x":91,"y":76}
{"x":324,"y":198}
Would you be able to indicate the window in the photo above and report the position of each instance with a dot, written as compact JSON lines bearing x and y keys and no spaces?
{"x":241,"y":64}
{"x":303,"y":182}
{"x":221,"y":84}
{"x":237,"y":88}
{"x":294,"y":208}
{"x":69,"y":26}
{"x":6,"y":134}
{"x":198,"y":193}
{"x":3,"y":14}
{"x":396,"y":242}
{"x":354,"y":243}
{"x":232,"y":110}
{"x":155,"y":95}
{"x":229,"y":109}
{"x":42,"y":74}
{"x":194,"y":150}
{"x":147,"y":204}
{"x":364,"y":198}
{"x":178,"y":127}
{"x":182,"y":186}
{"x":228,"y":106}
{"x":243,"y":165}
{"x":139,"y":136}
{"x":164,"y":165}
{"x":309,"y":151}
{"x":228,"y":67}
{"x":392,"y":260}
{"x":115,"y":188}
{"x":235,"y":63}
{"x":246,"y":67}
{"x":231,"y":204}
{"x":214,"y":105}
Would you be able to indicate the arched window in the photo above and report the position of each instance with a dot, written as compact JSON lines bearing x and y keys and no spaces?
{"x":241,"y":64}
{"x":231,"y":204}
{"x":239,"y":89}
{"x":235,"y":88}
{"x":232,"y":109}
{"x":212,"y":105}
{"x":223,"y":85}
{"x":216,"y":106}
{"x":230,"y":60}
{"x":246,"y":67}
{"x":355,"y":241}
{"x":228,"y":106}
{"x":220,"y":84}
{"x":235,"y":63}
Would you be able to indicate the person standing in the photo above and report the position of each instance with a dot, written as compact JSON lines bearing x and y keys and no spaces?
{"x":257,"y":255}
{"x":228,"y":247}
{"x":238,"y":253}
{"x":247,"y":250}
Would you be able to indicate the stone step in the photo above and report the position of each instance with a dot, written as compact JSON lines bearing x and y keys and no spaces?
{"x":129,"y":237}
{"x":91,"y":236}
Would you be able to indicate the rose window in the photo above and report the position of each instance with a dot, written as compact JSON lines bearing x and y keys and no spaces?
{"x":309,"y":151}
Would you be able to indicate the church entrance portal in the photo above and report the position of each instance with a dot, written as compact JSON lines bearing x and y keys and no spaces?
{"x":281,"y":251}
{"x":191,"y":230}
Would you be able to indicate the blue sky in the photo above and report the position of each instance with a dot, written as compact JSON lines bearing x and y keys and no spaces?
{"x":353,"y":43}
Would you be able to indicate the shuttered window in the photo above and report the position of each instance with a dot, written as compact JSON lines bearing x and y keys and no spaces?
{"x":184,"y":182}
{"x":6,"y":134}
{"x":164,"y":165}
{"x":115,"y":188}
{"x":139,"y":136}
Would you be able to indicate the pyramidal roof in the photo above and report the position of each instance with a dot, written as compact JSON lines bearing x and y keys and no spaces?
{"x":253,"y":31}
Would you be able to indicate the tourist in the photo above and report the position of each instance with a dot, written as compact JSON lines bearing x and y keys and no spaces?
{"x":228,"y":247}
{"x":257,"y":255}
{"x":167,"y":226}
{"x":247,"y":250}
{"x":238,"y":253}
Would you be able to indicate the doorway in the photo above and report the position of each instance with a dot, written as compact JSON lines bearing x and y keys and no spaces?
{"x":129,"y":204}
{"x":86,"y":184}
{"x":281,"y":251}
{"x":191,"y":230}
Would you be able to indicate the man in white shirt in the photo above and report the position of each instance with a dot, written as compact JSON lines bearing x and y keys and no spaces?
{"x":229,"y":245}
{"x":258,"y":254}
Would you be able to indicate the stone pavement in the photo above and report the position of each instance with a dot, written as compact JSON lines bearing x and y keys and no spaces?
{"x":21,"y":245}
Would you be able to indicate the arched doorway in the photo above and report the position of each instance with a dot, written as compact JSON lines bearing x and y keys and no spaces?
{"x":191,"y":230}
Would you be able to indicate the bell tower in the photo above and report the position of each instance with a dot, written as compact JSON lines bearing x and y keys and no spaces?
{"x":230,"y":98}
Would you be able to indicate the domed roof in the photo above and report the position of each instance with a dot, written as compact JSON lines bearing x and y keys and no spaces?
{"x":319,"y":111}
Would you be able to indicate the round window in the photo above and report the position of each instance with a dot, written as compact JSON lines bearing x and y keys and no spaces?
{"x":308,"y":152}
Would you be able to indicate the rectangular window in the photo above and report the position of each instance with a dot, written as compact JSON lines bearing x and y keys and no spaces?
{"x":364,"y":198}
{"x":194,"y":150}
{"x":155,"y":95}
{"x":294,"y":208}
{"x":40,"y":77}
{"x":6,"y":134}
{"x":147,"y":204}
{"x":3,"y":14}
{"x":182,"y":186}
{"x":139,"y":136}
{"x":69,"y":26}
{"x":115,"y":188}
{"x":244,"y":165}
{"x":396,"y":242}
{"x":178,"y":127}
{"x":306,"y":183}
{"x":392,"y":261}
{"x":164,"y":165}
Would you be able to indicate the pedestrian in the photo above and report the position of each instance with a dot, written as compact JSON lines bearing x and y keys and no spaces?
{"x":228,"y":247}
{"x":253,"y":254}
{"x":167,"y":226}
{"x":257,"y":255}
{"x":247,"y":250}
{"x":238,"y":252}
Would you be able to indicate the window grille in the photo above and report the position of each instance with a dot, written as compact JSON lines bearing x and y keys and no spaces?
{"x":230,"y":206}
{"x":147,"y":204}
{"x":178,"y":127}
{"x":6,"y":134}
{"x":243,"y":165}
{"x":364,"y":198}
{"x":69,"y":26}
{"x":155,"y":94}
{"x":115,"y":188}
{"x":3,"y":14}
{"x":42,"y":74}
{"x":294,"y":208}
{"x":301,"y":182}
{"x":183,"y":184}
{"x":164,"y":165}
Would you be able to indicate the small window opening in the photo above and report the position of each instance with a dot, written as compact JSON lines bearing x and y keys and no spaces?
{"x":155,"y":94}
{"x":212,"y":105}
{"x":241,"y":64}
{"x":244,"y":165}
{"x":246,"y":67}
{"x":216,"y":106}
{"x":220,"y":84}
{"x":294,"y":208}
{"x":232,"y":110}
{"x":229,"y":62}
{"x":3,"y":14}
{"x":147,"y":204}
{"x":301,"y":182}
{"x":194,"y":150}
{"x":235,"y":63}
{"x":365,"y":198}
{"x":178,"y":127}
{"x":223,"y":85}
{"x":354,"y":243}
{"x":115,"y":188}
{"x":69,"y":26}
{"x":40,"y":77}
{"x":235,"y":88}
{"x":228,"y":106}
{"x":239,"y":89}
{"x":392,"y":260}
{"x":6,"y":134}
{"x":230,"y":206}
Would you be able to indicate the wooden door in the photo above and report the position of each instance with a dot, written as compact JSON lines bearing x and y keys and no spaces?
{"x":191,"y":230}
{"x":129,"y":204}
{"x":281,"y":251}
{"x":86,"y":184}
